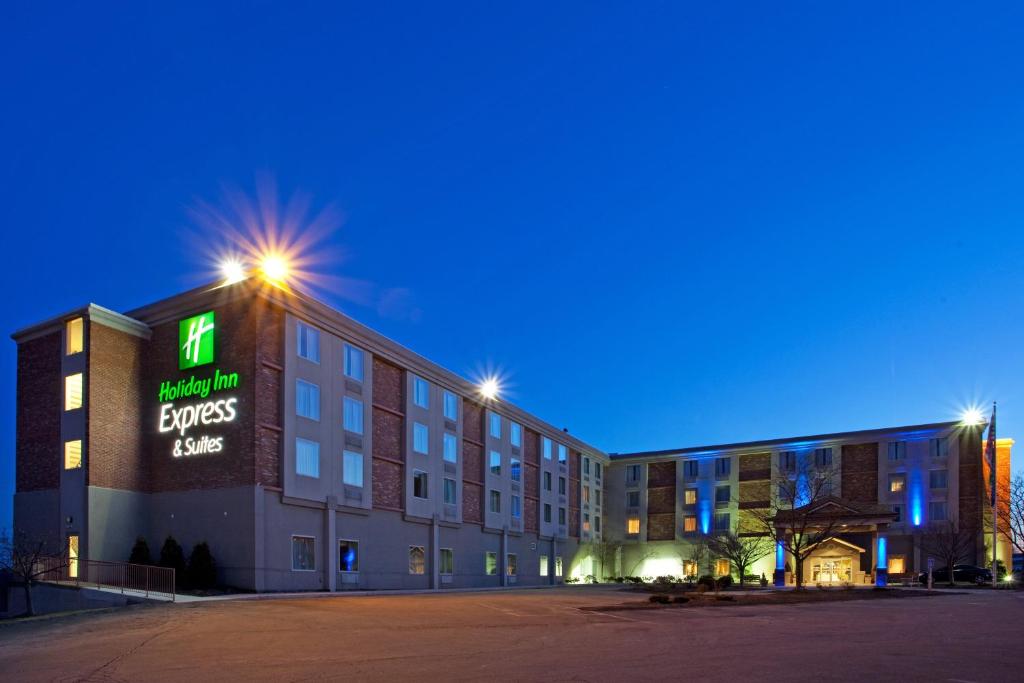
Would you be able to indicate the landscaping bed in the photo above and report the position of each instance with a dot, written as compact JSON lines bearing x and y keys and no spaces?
{"x":693,"y":598}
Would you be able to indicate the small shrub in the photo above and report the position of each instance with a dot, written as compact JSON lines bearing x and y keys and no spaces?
{"x":706,"y":583}
{"x":202,"y":572}
{"x":680,"y":599}
{"x":764,"y":580}
{"x":171,"y":555}
{"x":618,"y":579}
{"x":659,"y":598}
{"x":635,"y":580}
{"x":571,"y":579}
{"x":590,"y":578}
{"x":723,"y":582}
{"x":140,"y":552}
{"x":665,"y":580}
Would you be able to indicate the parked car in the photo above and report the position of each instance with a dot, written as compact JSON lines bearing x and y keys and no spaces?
{"x":964,"y":573}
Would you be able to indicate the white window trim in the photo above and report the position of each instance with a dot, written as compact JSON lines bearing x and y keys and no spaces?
{"x":358,"y":553}
{"x":292,"y":549}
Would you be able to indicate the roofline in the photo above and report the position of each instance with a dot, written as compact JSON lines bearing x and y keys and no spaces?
{"x":747,"y":445}
{"x":325,"y":316}
{"x":95,"y":313}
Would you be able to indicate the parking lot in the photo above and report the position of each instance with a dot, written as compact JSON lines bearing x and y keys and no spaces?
{"x":525,"y":634}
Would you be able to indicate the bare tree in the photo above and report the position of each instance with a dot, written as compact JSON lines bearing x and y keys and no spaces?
{"x":30,"y":558}
{"x":1011,"y":514}
{"x":798,"y":515}
{"x":950,"y":542}
{"x":645,"y":555}
{"x":696,"y":552}
{"x":741,"y":551}
{"x":604,"y":552}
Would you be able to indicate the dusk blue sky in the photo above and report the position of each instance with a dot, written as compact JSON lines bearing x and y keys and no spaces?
{"x":671,"y":224}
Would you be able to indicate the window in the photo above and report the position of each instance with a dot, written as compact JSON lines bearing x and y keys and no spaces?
{"x":787,"y":461}
{"x":307,"y":400}
{"x":689,"y":524}
{"x":897,"y":450}
{"x":898,"y":509}
{"x":496,"y":425}
{"x":722,"y":567}
{"x":447,"y":567}
{"x":72,"y":556}
{"x":561,"y":485}
{"x":722,"y":495}
{"x":495,"y":463}
{"x":515,"y":433}
{"x":307,"y":458}
{"x":561,"y":516}
{"x":74,"y":337}
{"x":451,"y":447}
{"x":633,"y":474}
{"x":690,"y":497}
{"x":352,"y":468}
{"x":449,"y":492}
{"x":543,"y":565}
{"x":897,"y":482}
{"x":353,"y":363}
{"x":495,"y":501}
{"x":348,"y":556}
{"x":417,"y":559}
{"x":451,"y":406}
{"x":722,"y":521}
{"x":586,"y":465}
{"x":938,"y":479}
{"x":303,"y":553}
{"x":723,"y":466}
{"x":547,"y":513}
{"x":937,"y":511}
{"x":516,"y":469}
{"x":586,"y":495}
{"x":897,"y":565}
{"x":420,"y":438}
{"x":633,"y":499}
{"x":690,"y":469}
{"x":491,"y":564}
{"x":72,"y":454}
{"x":545,"y":444}
{"x":633,"y":525}
{"x":547,"y":481}
{"x":822,"y":457}
{"x":558,"y":565}
{"x":307,"y":342}
{"x":420,"y":392}
{"x":597,"y":497}
{"x":939,"y":447}
{"x":353,"y":415}
{"x":586,"y":522}
{"x":419,"y":484}
{"x":517,"y":508}
{"x":73,"y":391}
{"x":597,"y":470}
{"x":563,"y":453}
{"x":512,"y":564}
{"x":690,"y":568}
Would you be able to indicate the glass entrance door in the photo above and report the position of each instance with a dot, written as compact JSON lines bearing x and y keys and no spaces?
{"x":831,"y":570}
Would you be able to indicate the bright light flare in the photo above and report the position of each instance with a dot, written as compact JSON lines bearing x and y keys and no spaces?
{"x":275,"y":268}
{"x":972,"y":417}
{"x":232,"y":271}
{"x":490,"y":388}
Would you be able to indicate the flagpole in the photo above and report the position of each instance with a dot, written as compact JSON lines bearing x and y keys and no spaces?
{"x":994,"y":478}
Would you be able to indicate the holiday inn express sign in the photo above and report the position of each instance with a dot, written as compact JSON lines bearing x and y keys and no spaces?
{"x":196,"y":347}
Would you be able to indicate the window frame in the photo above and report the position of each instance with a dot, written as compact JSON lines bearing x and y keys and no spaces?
{"x":352,"y":543}
{"x":312,"y":554}
{"x":422,"y":559}
{"x":347,"y":401}
{"x":355,"y":456}
{"x":299,"y":327}
{"x":418,"y":476}
{"x":317,"y":460}
{"x":349,"y":352}
{"x":419,"y":428}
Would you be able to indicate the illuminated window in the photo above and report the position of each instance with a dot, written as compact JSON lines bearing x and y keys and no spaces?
{"x":938,"y":479}
{"x":689,"y":524}
{"x":721,"y":567}
{"x":449,"y":492}
{"x":517,"y":510}
{"x":420,"y":392}
{"x":897,"y":482}
{"x":897,"y":450}
{"x":558,"y":565}
{"x":632,"y":499}
{"x":515,"y":433}
{"x":419,"y":484}
{"x":690,"y":497}
{"x":353,"y":415}
{"x":545,"y":444}
{"x":451,"y":406}
{"x":447,"y":567}
{"x":897,"y":565}
{"x":352,"y":468}
{"x":74,"y":336}
{"x":72,"y":454}
{"x":496,"y":425}
{"x":307,"y":458}
{"x":547,"y":513}
{"x":690,"y":568}
{"x":420,"y":438}
{"x":633,"y":525}
{"x":307,"y":400}
{"x":491,"y":564}
{"x":512,"y":566}
{"x":586,"y":521}
{"x":515,"y":469}
{"x":303,"y":553}
{"x":417,"y":559}
{"x":307,"y":342}
{"x":348,"y":556}
{"x":563,"y":453}
{"x":586,"y":495}
{"x":451,"y":447}
{"x":353,"y":363}
{"x":495,"y":501}
{"x":73,"y":557}
{"x":543,"y":565}
{"x":495,"y":463}
{"x":73,"y":391}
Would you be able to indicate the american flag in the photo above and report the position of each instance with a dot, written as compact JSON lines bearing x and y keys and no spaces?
{"x":990,"y":455}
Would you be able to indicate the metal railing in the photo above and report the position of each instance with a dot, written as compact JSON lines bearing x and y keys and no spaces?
{"x":123,"y":576}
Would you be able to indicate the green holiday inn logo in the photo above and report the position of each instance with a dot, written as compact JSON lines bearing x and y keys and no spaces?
{"x":195,"y":341}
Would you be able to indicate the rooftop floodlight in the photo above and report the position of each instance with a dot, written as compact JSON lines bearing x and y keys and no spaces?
{"x":972,"y":417}
{"x":489,"y":388}
{"x":275,"y":268}
{"x":232,"y":271}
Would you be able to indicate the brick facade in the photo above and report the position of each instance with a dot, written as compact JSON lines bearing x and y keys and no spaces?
{"x":388,"y":470}
{"x":38,"y":447}
{"x":860,"y":472}
{"x":661,"y":501}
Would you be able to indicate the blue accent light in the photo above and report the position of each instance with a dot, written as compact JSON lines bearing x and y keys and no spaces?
{"x":780,"y":556}
{"x":704,"y":514}
{"x":916,"y":497}
{"x":883,"y":554}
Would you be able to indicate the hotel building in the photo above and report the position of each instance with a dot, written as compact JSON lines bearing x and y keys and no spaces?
{"x":312,"y":453}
